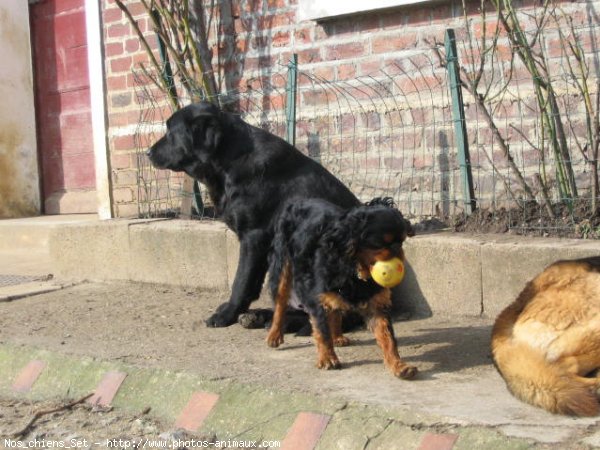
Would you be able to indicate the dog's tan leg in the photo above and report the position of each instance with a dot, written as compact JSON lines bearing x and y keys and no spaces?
{"x":326,"y":357}
{"x":381,"y":327}
{"x":335,"y":305}
{"x":275,"y":336}
{"x":334,"y":318}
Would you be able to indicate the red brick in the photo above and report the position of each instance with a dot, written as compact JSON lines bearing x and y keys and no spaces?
{"x":324,"y":72}
{"x":118,"y":30}
{"x":396,"y":18}
{"x":124,"y":64}
{"x":275,"y":21}
{"x":112,"y":15}
{"x":132,"y":45}
{"x":141,"y":57}
{"x":123,"y":118}
{"x":116,"y":82}
{"x":28,"y":376}
{"x":442,"y":13}
{"x":107,"y":388}
{"x":276,"y":101}
{"x":278,"y":80}
{"x":122,"y":195}
{"x":127,"y":210}
{"x":313,"y":98}
{"x":305,"y":432}
{"x":303,"y":36}
{"x":281,"y":39}
{"x":276,"y":4}
{"x":345,"y":51}
{"x":136,"y":9}
{"x":113,"y":49}
{"x":370,"y":67}
{"x":125,"y":178}
{"x":438,"y":441}
{"x":346,"y":71}
{"x":196,"y":410}
{"x":309,"y":56}
{"x":120,"y":100}
{"x":120,"y":161}
{"x":384,"y":44}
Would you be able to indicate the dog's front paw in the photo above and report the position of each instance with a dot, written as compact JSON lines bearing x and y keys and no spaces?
{"x":223,"y":317}
{"x":404,"y":371}
{"x":274,"y":339}
{"x":341,"y":341}
{"x":329,"y":363}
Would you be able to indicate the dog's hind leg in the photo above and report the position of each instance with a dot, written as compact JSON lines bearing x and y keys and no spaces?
{"x":275,"y":336}
{"x":326,"y":357}
{"x":381,"y":326}
{"x":249,"y":278}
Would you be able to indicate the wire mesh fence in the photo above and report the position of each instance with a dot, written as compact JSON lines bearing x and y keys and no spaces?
{"x":391,"y":133}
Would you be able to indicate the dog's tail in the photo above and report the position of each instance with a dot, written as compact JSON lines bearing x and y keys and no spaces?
{"x":535,"y":380}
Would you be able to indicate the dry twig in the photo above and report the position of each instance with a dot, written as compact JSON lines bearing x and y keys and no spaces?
{"x":44,"y":412}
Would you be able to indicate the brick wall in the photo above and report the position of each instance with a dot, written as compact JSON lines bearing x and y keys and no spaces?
{"x":373,"y":103}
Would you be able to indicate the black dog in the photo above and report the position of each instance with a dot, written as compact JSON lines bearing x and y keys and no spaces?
{"x":321,"y":260}
{"x":248,"y":173}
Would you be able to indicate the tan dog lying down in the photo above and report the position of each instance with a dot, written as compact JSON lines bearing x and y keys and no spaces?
{"x":546,"y":344}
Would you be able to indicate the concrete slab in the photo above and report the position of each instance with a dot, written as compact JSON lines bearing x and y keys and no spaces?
{"x":508,"y":263}
{"x":446,"y":273}
{"x":185,"y":253}
{"x":443,"y":274}
{"x":97,"y":250}
{"x":33,"y":232}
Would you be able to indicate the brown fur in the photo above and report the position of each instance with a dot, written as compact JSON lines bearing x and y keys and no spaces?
{"x":275,"y":336}
{"x":547,"y":341}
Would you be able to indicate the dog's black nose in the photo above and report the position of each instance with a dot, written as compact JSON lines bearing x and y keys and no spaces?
{"x":149,"y":152}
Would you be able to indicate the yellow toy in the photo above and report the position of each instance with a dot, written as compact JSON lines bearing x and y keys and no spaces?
{"x":388,"y":273}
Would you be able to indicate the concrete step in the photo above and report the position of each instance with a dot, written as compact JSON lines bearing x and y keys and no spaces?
{"x":446,"y":273}
{"x":33,"y":232}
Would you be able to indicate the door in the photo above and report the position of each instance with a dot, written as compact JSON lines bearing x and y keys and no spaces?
{"x":63,"y":111}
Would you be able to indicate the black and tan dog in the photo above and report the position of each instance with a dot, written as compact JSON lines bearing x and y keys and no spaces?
{"x":321,"y":261}
{"x":249,"y":173}
{"x":546,"y":344}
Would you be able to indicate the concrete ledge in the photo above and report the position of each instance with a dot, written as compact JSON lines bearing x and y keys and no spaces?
{"x":176,"y":252}
{"x":447,"y":273}
{"x":33,"y":232}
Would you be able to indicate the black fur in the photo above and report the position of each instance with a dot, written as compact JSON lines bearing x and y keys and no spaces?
{"x":249,"y":173}
{"x":325,"y":246}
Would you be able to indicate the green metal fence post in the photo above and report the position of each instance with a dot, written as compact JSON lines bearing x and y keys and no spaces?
{"x":460,"y":127}
{"x":290,"y":104}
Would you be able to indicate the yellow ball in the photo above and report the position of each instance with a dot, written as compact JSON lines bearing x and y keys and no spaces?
{"x":388,"y":273}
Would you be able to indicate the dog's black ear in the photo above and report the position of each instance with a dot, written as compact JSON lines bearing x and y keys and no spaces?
{"x":354,"y":224}
{"x":206,"y":125}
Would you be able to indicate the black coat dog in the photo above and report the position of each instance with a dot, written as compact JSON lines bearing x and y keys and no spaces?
{"x":321,"y":260}
{"x":249,"y":173}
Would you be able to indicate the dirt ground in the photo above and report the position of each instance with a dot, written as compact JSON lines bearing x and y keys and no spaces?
{"x":577,"y":221}
{"x":83,"y":426}
{"x":162,"y":327}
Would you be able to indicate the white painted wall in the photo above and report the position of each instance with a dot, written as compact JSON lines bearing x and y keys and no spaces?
{"x":98,"y":105}
{"x":19,"y":177}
